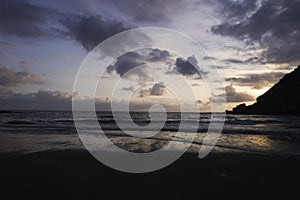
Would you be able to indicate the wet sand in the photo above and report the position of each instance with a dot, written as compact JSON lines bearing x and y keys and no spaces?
{"x":75,"y":173}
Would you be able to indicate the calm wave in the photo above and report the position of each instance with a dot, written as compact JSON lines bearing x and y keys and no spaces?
{"x":28,"y":131}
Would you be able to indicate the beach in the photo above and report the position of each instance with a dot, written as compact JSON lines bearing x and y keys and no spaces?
{"x":42,"y":156}
{"x":75,"y":173}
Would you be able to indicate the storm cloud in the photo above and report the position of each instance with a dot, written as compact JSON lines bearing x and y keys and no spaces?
{"x":274,"y":25}
{"x":11,"y":78}
{"x":89,"y":31}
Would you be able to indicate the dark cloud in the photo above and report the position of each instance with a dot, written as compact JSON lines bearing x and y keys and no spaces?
{"x":157,"y":55}
{"x":156,"y":11}
{"x":251,"y":60}
{"x":258,"y":81}
{"x":233,"y":10}
{"x":235,"y":61}
{"x":11,"y":78}
{"x":209,"y":58}
{"x":130,"y":66}
{"x":133,"y":64}
{"x":274,"y":25}
{"x":187,"y":67}
{"x":26,"y":19}
{"x":125,"y":63}
{"x":233,"y":96}
{"x":158,"y":89}
{"x":219,"y":66}
{"x":79,"y":21}
{"x":23,"y":18}
{"x":91,"y":30}
{"x":199,"y":102}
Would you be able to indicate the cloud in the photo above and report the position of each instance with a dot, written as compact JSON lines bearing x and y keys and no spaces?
{"x":233,"y":10}
{"x":158,"y":89}
{"x":258,"y":81}
{"x":155,"y":11}
{"x":288,"y":67}
{"x":144,"y":93}
{"x":125,"y":63}
{"x":11,"y":78}
{"x":233,"y":96}
{"x":235,"y":61}
{"x":187,"y":67}
{"x":23,"y":18}
{"x":133,"y":65}
{"x":250,"y":60}
{"x":199,"y":102}
{"x":61,"y":100}
{"x":130,"y":66}
{"x":8,"y":44}
{"x":157,"y":55}
{"x":26,"y":19}
{"x":91,"y":30}
{"x":78,"y":21}
{"x":42,"y":99}
{"x":274,"y":25}
{"x":209,"y":58}
{"x":130,"y":88}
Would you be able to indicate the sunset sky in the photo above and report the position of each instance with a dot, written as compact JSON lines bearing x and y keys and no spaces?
{"x":253,"y":43}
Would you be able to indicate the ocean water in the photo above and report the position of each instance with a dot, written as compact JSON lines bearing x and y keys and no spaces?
{"x":23,"y":132}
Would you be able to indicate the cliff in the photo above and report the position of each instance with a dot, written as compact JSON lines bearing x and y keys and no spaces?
{"x":282,"y":98}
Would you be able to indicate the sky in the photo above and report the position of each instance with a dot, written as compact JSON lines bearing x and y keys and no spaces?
{"x":252,"y":44}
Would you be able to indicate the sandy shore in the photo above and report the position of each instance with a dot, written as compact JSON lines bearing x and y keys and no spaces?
{"x":75,"y":173}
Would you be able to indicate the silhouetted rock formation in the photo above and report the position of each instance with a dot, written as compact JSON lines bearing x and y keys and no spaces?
{"x":282,"y":98}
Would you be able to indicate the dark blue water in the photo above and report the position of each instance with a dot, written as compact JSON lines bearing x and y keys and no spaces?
{"x":30,"y":131}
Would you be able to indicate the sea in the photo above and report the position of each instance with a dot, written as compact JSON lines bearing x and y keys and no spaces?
{"x":23,"y":132}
